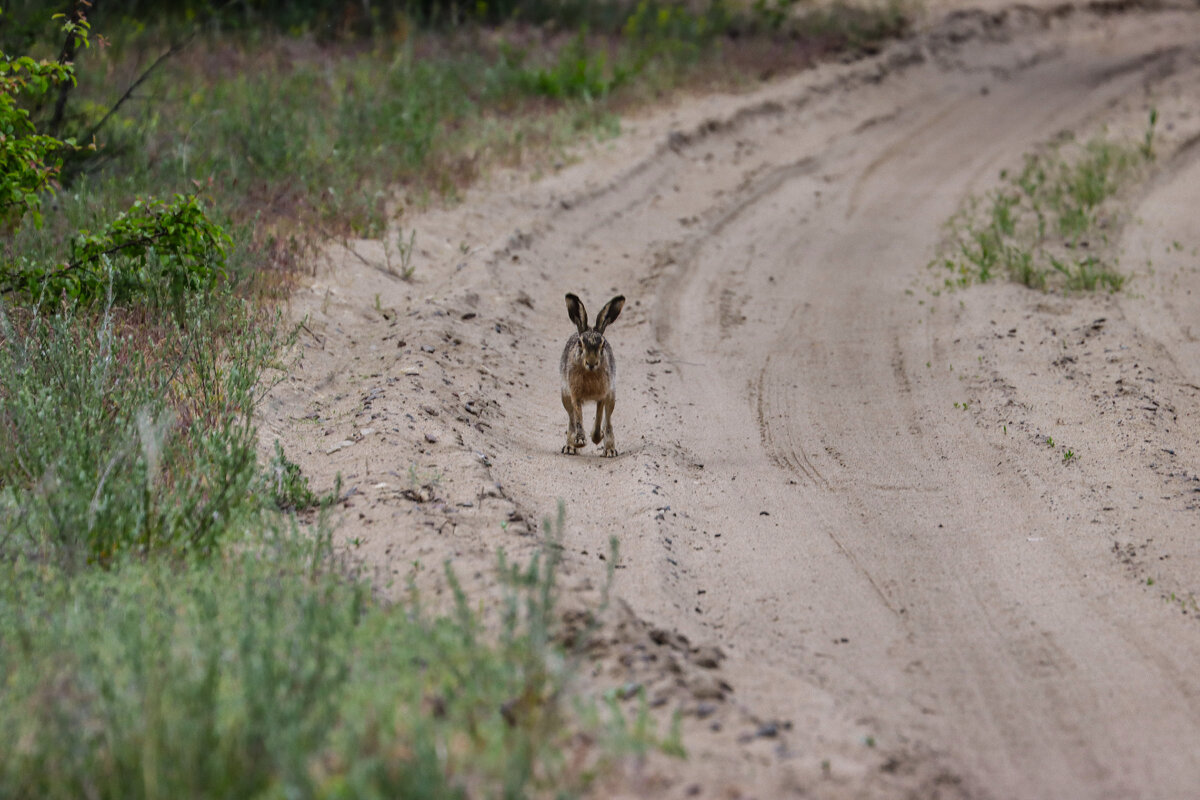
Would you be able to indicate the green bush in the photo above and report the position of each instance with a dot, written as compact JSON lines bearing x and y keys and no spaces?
{"x":117,"y":438}
{"x":29,"y":161}
{"x":160,"y":248}
{"x":261,"y":675}
{"x":113,"y":262}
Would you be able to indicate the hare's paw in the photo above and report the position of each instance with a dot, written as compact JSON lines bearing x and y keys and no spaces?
{"x":575,"y":441}
{"x":610,"y":450}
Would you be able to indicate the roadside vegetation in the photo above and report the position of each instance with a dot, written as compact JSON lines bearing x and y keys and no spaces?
{"x":268,"y":673}
{"x":1049,"y":227}
{"x":173,"y":620}
{"x":305,"y":120}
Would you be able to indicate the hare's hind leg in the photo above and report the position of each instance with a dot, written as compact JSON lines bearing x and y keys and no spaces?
{"x":575,"y":438}
{"x":610,"y":445}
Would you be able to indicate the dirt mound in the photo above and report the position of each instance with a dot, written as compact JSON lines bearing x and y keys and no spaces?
{"x":848,"y":554}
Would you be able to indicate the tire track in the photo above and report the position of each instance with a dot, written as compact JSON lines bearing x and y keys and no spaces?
{"x":1014,"y":669}
{"x":682,"y":257}
{"x":789,"y":455}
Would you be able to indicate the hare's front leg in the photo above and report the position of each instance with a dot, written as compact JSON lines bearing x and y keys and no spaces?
{"x":574,"y":425}
{"x":599,"y":426}
{"x":610,"y":444}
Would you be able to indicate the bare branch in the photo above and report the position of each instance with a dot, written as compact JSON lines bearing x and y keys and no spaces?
{"x":172,"y":50}
{"x":65,"y":56}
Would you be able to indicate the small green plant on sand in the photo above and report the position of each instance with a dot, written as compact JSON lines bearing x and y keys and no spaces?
{"x":289,"y":487}
{"x":403,"y":253}
{"x":1047,"y":226}
{"x":1148,"y":140}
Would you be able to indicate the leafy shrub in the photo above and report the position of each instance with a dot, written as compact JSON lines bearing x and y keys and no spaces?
{"x":118,"y":438}
{"x":112,"y":262}
{"x":262,"y":675}
{"x":155,"y":245}
{"x":29,"y":161}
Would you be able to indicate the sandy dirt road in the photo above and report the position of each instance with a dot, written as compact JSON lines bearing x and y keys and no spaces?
{"x":848,"y":555}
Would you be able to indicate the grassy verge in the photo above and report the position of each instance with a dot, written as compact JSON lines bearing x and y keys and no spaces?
{"x":297,"y":137}
{"x":1048,"y":226}
{"x":263,"y":674}
{"x":165,"y":633}
{"x":119,"y":435}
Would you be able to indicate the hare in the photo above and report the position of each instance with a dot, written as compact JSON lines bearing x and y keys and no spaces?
{"x":589,"y":374}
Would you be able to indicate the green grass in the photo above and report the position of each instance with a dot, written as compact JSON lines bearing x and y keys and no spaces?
{"x":325,"y":133}
{"x":165,"y":633}
{"x":289,"y":488}
{"x":265,"y":675}
{"x":294,"y":138}
{"x":1049,"y":226}
{"x":120,"y":435}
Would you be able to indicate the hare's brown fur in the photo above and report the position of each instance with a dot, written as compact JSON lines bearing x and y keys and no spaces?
{"x":589,"y":375}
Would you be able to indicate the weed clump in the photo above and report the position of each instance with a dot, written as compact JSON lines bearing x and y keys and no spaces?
{"x":1048,"y":226}
{"x":267,"y":674}
{"x":122,"y":437}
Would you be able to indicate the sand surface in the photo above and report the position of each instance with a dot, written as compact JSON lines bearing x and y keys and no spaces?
{"x":848,"y":554}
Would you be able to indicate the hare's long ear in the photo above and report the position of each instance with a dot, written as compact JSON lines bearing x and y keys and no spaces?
{"x":608,"y":314}
{"x":577,"y":312}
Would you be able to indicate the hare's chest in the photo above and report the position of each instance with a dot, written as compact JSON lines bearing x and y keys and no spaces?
{"x":588,"y":384}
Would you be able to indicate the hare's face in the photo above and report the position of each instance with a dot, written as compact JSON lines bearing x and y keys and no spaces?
{"x":591,"y":345}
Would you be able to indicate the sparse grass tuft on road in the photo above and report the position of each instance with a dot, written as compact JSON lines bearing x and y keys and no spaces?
{"x":1050,"y":226}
